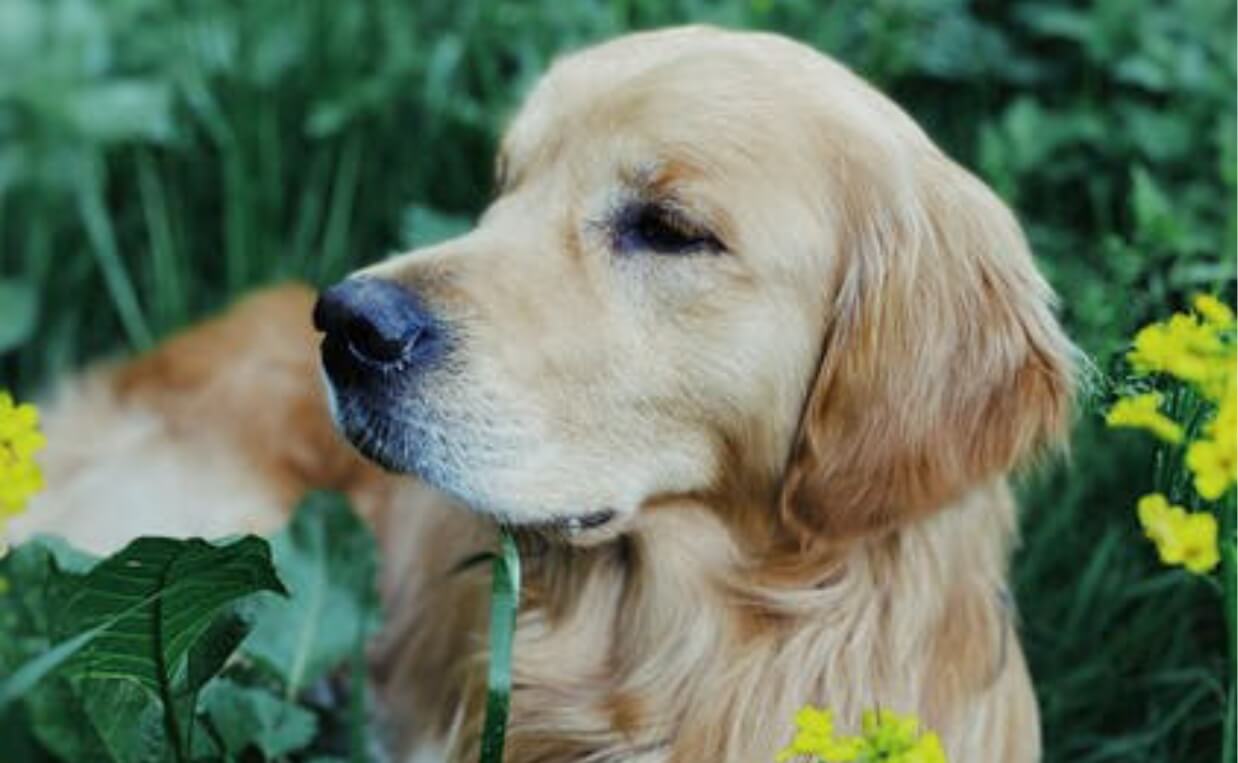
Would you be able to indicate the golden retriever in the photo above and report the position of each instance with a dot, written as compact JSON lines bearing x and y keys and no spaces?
{"x":742,"y":355}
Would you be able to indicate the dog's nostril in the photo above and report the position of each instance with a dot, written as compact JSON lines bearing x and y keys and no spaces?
{"x":380,"y":321}
{"x":379,"y":340}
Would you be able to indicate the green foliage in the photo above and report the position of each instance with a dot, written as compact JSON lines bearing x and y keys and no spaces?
{"x":17,"y":313}
{"x":125,"y":641}
{"x":158,"y":158}
{"x":327,"y":557}
{"x":245,"y":718}
{"x":148,"y":655}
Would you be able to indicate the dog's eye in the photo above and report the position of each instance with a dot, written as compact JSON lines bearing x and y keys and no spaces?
{"x":662,"y":230}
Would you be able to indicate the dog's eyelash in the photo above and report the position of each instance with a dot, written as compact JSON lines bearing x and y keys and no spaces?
{"x":661,"y":228}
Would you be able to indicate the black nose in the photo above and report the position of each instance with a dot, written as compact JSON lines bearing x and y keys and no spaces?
{"x":380,"y":321}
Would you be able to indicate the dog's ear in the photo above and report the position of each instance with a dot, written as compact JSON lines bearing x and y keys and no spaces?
{"x":942,"y":366}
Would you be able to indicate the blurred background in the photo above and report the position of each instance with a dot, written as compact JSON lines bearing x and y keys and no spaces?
{"x":160,"y":157}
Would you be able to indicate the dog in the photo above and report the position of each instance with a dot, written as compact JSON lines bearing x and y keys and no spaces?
{"x":738,"y":353}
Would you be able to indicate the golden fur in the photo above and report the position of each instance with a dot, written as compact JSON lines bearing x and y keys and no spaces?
{"x":804,"y":438}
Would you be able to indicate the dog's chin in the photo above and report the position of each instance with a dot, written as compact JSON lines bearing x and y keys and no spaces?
{"x":381,"y":454}
{"x":393,"y":445}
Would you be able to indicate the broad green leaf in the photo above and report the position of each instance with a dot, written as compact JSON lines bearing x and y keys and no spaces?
{"x":66,"y":557}
{"x":36,"y":588}
{"x":327,"y":558}
{"x":208,"y":655}
{"x":127,"y":644}
{"x":95,"y":720}
{"x":98,"y":720}
{"x":245,"y":717}
{"x":22,"y":680}
{"x":155,"y":598}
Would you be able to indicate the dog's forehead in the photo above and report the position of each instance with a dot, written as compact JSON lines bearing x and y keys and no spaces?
{"x":696,"y":94}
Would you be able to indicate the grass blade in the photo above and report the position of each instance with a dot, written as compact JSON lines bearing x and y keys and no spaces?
{"x":119,"y":284}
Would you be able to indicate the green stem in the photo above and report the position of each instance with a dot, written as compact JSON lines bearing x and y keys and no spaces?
{"x":335,"y":250}
{"x":103,"y":245}
{"x":170,"y":721}
{"x":1228,"y":753}
{"x":1229,"y":580}
{"x":168,"y":290}
{"x":1229,"y":593}
{"x":504,"y":601}
{"x":237,"y":224}
{"x":309,"y":214}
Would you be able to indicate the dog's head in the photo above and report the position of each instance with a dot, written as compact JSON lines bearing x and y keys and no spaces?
{"x":714,"y":259}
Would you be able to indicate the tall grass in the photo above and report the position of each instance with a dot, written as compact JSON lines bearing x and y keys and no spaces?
{"x":158,"y":158}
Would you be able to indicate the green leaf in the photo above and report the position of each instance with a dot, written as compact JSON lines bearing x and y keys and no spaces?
{"x":245,"y":717}
{"x":156,"y":598}
{"x":426,"y":226}
{"x":207,"y":657}
{"x":121,"y":110}
{"x":128,"y":643}
{"x":98,"y":720}
{"x":36,"y":588}
{"x":1155,"y":220}
{"x":24,"y":678}
{"x":65,"y":557}
{"x":18,"y":309}
{"x":17,"y":739}
{"x":327,"y":557}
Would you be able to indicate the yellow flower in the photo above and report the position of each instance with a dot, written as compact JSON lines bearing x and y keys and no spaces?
{"x":893,"y":738}
{"x":1181,"y":537}
{"x":1213,"y":459}
{"x":1142,"y":412}
{"x":1214,"y":467}
{"x":20,"y":439}
{"x":1185,"y":348}
{"x":1214,"y":312}
{"x":814,"y":737}
{"x":887,"y":738}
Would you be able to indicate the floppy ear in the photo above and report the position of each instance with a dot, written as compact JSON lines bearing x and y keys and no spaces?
{"x":942,"y":367}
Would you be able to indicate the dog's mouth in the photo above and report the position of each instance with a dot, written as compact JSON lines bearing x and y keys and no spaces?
{"x":573,"y":529}
{"x":363,"y":415}
{"x":572,"y":524}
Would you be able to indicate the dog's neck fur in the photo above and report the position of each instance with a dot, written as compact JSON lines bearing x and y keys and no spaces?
{"x":676,"y":643}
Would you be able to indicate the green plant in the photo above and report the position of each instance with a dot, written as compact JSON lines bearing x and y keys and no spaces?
{"x":176,"y":650}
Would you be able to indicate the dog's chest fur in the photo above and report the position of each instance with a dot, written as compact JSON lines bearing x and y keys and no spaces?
{"x":671,"y":645}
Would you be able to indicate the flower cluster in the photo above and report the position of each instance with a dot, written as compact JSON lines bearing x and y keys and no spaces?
{"x":1190,"y":347}
{"x":887,"y":738}
{"x":1144,"y":412}
{"x":1197,"y":349}
{"x":1188,"y":538}
{"x":20,"y":439}
{"x":1213,"y":459}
